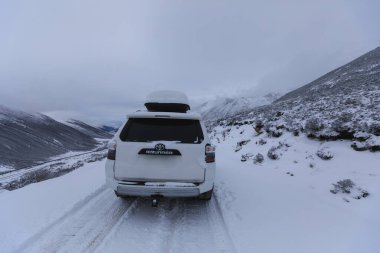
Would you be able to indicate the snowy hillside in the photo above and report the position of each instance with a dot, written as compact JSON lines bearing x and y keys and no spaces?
{"x":227,"y":107}
{"x":109,"y":129}
{"x":29,"y":138}
{"x":343,"y":104}
{"x":89,"y":130}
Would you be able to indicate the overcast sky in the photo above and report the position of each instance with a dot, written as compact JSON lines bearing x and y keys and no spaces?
{"x":100,"y":58}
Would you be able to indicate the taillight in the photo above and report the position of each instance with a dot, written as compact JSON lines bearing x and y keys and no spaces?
{"x":111,"y":150}
{"x":210,"y":153}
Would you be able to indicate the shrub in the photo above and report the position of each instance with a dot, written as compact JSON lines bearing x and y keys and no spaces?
{"x":240,"y":145}
{"x":324,"y":154}
{"x":273,"y":153}
{"x":262,"y":142}
{"x":258,"y":159}
{"x":342,"y":123}
{"x":313,"y":125}
{"x":374,"y":128}
{"x":343,"y":186}
{"x":246,"y":157}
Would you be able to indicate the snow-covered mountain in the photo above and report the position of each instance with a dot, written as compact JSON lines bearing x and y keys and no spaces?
{"x":223,"y":107}
{"x":343,"y":104}
{"x":28,"y":138}
{"x":109,"y":129}
{"x":92,"y":131}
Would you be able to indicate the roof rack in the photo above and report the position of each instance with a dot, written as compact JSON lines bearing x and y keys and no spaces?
{"x":167,"y":101}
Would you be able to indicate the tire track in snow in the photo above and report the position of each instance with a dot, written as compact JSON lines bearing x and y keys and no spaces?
{"x":222,"y":236}
{"x":202,"y":229}
{"x":84,"y":227}
{"x":177,"y":225}
{"x":104,"y":223}
{"x":147,"y":230}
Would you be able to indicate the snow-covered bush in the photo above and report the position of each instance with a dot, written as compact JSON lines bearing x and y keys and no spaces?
{"x":324,"y":153}
{"x":343,"y":186}
{"x":274,"y":132}
{"x":372,"y":143}
{"x":273,"y":153}
{"x":347,"y":186}
{"x":240,"y":145}
{"x":313,"y":125}
{"x":262,"y":142}
{"x":259,"y":124}
{"x":374,"y":128}
{"x":362,"y":136}
{"x":258,"y":159}
{"x":246,"y":157}
{"x":343,"y":125}
{"x":274,"y":129}
{"x":225,"y":133}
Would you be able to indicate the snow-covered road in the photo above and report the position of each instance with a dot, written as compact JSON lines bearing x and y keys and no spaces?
{"x":104,"y":223}
{"x":177,"y":225}
{"x":82,"y":228}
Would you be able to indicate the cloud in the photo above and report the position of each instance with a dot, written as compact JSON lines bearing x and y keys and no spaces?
{"x":80,"y":55}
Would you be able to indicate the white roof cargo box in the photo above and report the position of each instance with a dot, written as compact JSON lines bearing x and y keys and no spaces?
{"x":167,"y":101}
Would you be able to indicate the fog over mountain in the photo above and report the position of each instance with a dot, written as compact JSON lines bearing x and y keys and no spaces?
{"x":100,"y":59}
{"x":223,"y":107}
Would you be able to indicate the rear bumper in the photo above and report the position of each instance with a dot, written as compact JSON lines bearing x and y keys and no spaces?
{"x":165,"y":191}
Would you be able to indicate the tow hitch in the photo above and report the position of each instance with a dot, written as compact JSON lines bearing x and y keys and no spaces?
{"x":155,"y":200}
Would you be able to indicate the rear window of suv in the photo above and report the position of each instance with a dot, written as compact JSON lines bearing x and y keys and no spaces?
{"x":158,"y":129}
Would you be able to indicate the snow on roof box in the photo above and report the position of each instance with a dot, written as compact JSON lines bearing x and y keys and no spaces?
{"x":167,"y":101}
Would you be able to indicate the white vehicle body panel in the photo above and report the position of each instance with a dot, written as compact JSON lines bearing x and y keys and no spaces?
{"x":188,"y":167}
{"x":187,"y":175}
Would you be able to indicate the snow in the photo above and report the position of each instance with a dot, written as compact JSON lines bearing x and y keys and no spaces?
{"x":8,"y":114}
{"x":167,"y":96}
{"x":268,"y":210}
{"x":4,"y":168}
{"x":26,"y":211}
{"x":282,"y":205}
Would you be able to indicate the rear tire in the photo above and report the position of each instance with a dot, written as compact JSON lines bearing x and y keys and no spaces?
{"x":207,"y":195}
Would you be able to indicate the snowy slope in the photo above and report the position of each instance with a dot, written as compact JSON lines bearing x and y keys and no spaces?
{"x":110,"y":129}
{"x":286,"y":204}
{"x":28,"y":138}
{"x":226,"y":107}
{"x":92,"y":131}
{"x":343,"y":104}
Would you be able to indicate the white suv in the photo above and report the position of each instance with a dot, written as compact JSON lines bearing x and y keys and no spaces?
{"x":164,"y":151}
